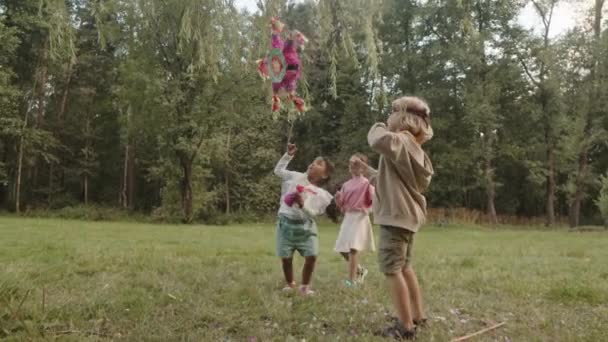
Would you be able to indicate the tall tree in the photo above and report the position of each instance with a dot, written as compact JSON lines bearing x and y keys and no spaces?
{"x":541,"y":73}
{"x":485,"y":24}
{"x":191,"y":43}
{"x":9,"y":99}
{"x":46,"y":36}
{"x":592,"y":131}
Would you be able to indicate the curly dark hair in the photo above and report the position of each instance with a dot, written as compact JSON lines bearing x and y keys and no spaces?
{"x":329,"y":170}
{"x":332,"y":211}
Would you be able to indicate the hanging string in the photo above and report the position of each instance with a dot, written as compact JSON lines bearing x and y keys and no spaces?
{"x":290,"y":133}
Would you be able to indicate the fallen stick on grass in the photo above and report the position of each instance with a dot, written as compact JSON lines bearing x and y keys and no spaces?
{"x":483,"y":331}
{"x":80,"y":332}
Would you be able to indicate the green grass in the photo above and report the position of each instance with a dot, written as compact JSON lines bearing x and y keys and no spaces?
{"x":128,"y":281}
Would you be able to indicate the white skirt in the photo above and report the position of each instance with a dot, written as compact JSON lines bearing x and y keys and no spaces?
{"x":355,"y":233}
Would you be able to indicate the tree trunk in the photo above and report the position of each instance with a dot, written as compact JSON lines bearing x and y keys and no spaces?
{"x":550,"y":154}
{"x":597,"y":23}
{"x":490,"y":190}
{"x":66,"y":91}
{"x":547,"y":16}
{"x":575,"y":207}
{"x":131,"y":179}
{"x":19,"y":169}
{"x":42,"y":75}
{"x":87,"y":159}
{"x":60,"y":116}
{"x":550,"y":206}
{"x":186,"y":188}
{"x":86,"y":189}
{"x":583,"y":163}
{"x":489,"y":137}
{"x":124,"y":199}
{"x":491,"y":207}
{"x":41,"y":92}
{"x":184,"y":106}
{"x":227,"y":172}
{"x":488,"y":175}
{"x":5,"y":188}
{"x":20,"y":162}
{"x":50,"y":197}
{"x":227,"y":185}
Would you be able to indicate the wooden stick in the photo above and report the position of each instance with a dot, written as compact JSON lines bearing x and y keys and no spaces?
{"x":483,"y":331}
{"x":80,"y":332}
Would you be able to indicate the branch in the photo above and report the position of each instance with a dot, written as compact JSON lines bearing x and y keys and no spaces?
{"x":464,"y":338}
{"x":443,"y":38}
{"x":551,"y":14}
{"x":548,"y":24}
{"x":80,"y":332}
{"x":523,"y":64}
{"x":541,"y":12}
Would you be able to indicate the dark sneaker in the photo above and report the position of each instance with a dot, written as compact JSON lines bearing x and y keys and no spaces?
{"x":420,"y":323}
{"x":397,"y":332}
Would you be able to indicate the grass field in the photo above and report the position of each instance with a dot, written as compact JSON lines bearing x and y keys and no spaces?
{"x":72,"y":280}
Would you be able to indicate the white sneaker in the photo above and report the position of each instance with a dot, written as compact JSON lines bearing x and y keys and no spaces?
{"x":289,"y":287}
{"x":361,"y":275}
{"x":306,"y":291}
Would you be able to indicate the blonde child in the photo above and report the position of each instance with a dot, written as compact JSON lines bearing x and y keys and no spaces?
{"x":354,"y":199}
{"x":404,"y":173}
{"x":302,"y":199}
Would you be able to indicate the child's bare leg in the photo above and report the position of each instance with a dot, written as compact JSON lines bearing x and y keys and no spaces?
{"x":353,"y":265}
{"x":415,"y":294}
{"x":401,"y":299}
{"x":288,"y":270}
{"x":309,"y":267}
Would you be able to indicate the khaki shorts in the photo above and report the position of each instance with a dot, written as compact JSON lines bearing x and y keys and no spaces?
{"x":394,"y":249}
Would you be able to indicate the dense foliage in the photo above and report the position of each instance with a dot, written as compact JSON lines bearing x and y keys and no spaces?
{"x":156,"y":107}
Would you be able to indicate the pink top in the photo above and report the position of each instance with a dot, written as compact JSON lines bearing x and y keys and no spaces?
{"x":355,"y":195}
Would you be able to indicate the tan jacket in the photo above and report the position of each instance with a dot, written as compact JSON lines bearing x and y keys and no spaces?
{"x":401,"y":179}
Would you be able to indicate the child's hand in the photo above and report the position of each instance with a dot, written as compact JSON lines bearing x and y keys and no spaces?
{"x":359,"y":163}
{"x":297,"y":198}
{"x":291,"y":149}
{"x":338,"y":199}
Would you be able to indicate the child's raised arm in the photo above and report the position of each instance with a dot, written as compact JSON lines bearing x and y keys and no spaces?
{"x":281,"y":168}
{"x":385,"y":142}
{"x":371,"y":172}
